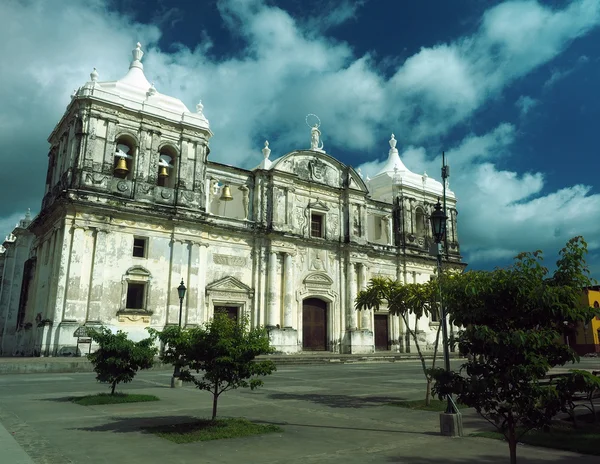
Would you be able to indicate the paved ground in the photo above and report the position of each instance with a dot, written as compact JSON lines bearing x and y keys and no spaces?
{"x":330,"y":414}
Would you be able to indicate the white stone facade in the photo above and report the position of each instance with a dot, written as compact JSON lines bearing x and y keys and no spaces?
{"x":133,"y":206}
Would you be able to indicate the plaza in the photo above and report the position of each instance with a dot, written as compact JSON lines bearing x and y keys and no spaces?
{"x":328,"y":413}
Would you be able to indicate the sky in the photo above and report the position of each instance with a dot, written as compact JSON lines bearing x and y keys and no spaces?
{"x":508,"y":89}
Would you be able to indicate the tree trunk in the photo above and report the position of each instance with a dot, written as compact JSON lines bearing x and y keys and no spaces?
{"x":428,"y":392}
{"x":112,"y":389}
{"x":512,"y":441}
{"x":215,"y":398}
{"x":512,"y":446}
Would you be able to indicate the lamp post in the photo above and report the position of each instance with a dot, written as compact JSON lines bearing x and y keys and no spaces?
{"x":451,"y":420}
{"x":175,"y":382}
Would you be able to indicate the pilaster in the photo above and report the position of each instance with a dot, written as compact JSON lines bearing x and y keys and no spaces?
{"x":96,"y":304}
{"x":351,"y":280}
{"x":273,"y":292}
{"x":366,"y":315}
{"x":288,"y":299}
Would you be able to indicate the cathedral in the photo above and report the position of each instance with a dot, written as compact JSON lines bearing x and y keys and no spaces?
{"x":133,"y":207}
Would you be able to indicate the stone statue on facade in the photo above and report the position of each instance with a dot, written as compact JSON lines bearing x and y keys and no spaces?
{"x":315,"y":139}
{"x":245,"y":199}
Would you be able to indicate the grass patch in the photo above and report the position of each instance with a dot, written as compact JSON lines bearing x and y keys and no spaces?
{"x":583,"y":440}
{"x":117,"y":398}
{"x":204,"y":430}
{"x":435,"y":405}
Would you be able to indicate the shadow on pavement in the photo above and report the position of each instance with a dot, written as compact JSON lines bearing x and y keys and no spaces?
{"x":337,"y":427}
{"x":337,"y":401}
{"x":138,"y":424}
{"x":484,"y":459}
{"x":62,"y":399}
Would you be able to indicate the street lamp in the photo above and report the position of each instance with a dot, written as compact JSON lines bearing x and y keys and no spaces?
{"x":451,"y":420}
{"x":181,"y":291}
{"x":175,"y":382}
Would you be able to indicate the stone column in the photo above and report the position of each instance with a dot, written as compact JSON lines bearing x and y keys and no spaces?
{"x":351,"y":279}
{"x":288,"y":299}
{"x":273,"y":292}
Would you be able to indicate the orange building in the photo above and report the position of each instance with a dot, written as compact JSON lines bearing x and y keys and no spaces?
{"x":586,"y":337}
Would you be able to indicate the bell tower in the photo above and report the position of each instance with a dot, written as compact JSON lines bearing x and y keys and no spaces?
{"x":125,"y":139}
{"x":126,"y":167}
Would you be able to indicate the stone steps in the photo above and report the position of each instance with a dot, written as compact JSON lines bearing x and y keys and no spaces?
{"x":70,"y":364}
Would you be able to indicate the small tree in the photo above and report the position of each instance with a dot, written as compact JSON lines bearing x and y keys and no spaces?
{"x":223,"y":350}
{"x":118,"y":359}
{"x":513,"y":323}
{"x":403,"y":300}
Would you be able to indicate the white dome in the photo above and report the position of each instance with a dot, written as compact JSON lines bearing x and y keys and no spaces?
{"x":135,"y":91}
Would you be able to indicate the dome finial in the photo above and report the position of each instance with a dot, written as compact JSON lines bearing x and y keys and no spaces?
{"x":266,"y":151}
{"x":94,"y":75}
{"x":137,"y":54}
{"x":393,"y":143}
{"x":199,"y":107}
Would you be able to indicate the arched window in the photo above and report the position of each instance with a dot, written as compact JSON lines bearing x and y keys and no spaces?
{"x":124,"y":156}
{"x":166,"y":167}
{"x":420,"y":222}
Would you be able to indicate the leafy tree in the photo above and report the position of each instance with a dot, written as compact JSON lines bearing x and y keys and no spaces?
{"x":118,"y":359}
{"x":223,"y":350}
{"x":403,"y":300}
{"x":513,"y":321}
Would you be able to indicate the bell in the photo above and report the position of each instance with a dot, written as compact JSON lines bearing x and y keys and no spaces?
{"x":162,"y":172}
{"x":226,"y":194}
{"x":121,"y":168}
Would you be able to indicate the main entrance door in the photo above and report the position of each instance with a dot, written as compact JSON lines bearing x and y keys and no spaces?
{"x":314,"y":325}
{"x":381,"y":332}
{"x":231,"y":311}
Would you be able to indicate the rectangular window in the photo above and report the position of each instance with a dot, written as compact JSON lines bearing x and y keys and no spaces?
{"x":435,"y":315}
{"x":316,"y":225}
{"x":139,"y":247}
{"x":135,"y":295}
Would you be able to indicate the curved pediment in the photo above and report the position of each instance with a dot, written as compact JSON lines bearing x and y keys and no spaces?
{"x":138,"y":271}
{"x":321,"y":168}
{"x":318,"y":279}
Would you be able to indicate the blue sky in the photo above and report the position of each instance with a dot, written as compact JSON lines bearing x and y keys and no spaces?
{"x":507,"y":89}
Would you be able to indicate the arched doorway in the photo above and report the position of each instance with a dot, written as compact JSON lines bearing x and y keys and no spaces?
{"x":314,"y":325}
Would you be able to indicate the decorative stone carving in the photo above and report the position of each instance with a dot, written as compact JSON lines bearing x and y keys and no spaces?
{"x":134,"y":318}
{"x":317,"y":169}
{"x":332,"y":226}
{"x":229,"y":260}
{"x":122,"y":186}
{"x":318,"y":260}
{"x":318,"y":280}
{"x":96,"y":179}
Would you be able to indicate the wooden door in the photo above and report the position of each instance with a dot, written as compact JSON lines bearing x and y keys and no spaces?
{"x":314,"y":325}
{"x":231,"y":311}
{"x":381,"y":332}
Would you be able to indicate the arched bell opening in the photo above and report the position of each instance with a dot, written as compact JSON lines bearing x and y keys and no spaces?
{"x":166,"y":167}
{"x":124,"y":156}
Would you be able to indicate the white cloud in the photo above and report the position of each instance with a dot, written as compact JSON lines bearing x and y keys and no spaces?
{"x":525,"y":103}
{"x":289,"y":68}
